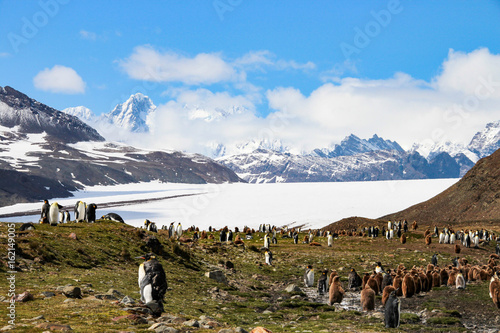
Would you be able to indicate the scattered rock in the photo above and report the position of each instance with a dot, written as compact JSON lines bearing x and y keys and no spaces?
{"x":7,"y":328}
{"x":54,"y":327}
{"x":162,"y":328}
{"x":24,"y":297}
{"x":73,"y":236}
{"x":47,"y":294}
{"x":72,"y":292}
{"x":139,"y":310}
{"x":191,"y":323}
{"x":296,"y":297}
{"x":260,"y":330}
{"x":292,"y":288}
{"x":217,"y":276}
{"x":106,"y":297}
{"x":68,"y":300}
{"x":115,"y":293}
{"x":127,"y":300}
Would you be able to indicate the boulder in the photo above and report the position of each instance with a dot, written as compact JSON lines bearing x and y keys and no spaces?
{"x":72,"y":292}
{"x":217,"y":276}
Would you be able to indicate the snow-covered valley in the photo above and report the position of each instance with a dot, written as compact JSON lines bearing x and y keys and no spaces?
{"x":313,"y":205}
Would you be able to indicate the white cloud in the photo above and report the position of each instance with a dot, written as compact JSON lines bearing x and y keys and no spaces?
{"x":400,"y":108}
{"x":146,"y":63}
{"x":88,"y":35}
{"x":469,"y":73}
{"x":59,"y":79}
{"x":258,"y":60}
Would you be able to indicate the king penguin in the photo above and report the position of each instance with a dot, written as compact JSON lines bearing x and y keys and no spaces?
{"x":54,"y":213}
{"x":152,"y":283}
{"x":80,"y":209}
{"x":269,"y":258}
{"x":309,"y":276}
{"x":179,"y":230}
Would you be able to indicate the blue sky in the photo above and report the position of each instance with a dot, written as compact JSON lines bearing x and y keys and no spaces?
{"x":261,"y":55}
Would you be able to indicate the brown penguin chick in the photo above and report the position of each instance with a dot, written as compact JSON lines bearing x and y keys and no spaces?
{"x":452,"y":277}
{"x":408,"y":286}
{"x":403,"y":239}
{"x":385,"y":294}
{"x":379,"y":277}
{"x":211,"y":236}
{"x":430,"y":267}
{"x":495,"y":290}
{"x":372,"y":282}
{"x":203,"y":235}
{"x":429,"y":280}
{"x":306,"y":240}
{"x":333,"y":274}
{"x":336,"y":291}
{"x":397,"y":284}
{"x":417,"y":283}
{"x":436,"y":279}
{"x":368,"y":298}
{"x":428,"y":240}
{"x":424,"y":281}
{"x":485,"y":276}
{"x":414,"y":225}
{"x":470,"y":274}
{"x":444,"y":276}
{"x":457,"y":249}
{"x":427,"y":232}
{"x":365,"y":279}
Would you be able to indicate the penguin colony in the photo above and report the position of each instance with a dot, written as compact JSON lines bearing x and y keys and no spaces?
{"x":400,"y":282}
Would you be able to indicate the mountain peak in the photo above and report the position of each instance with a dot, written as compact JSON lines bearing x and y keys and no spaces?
{"x":31,"y":116}
{"x":487,"y":141}
{"x":134,"y":114}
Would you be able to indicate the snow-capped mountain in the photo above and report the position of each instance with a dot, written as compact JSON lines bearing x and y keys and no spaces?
{"x":487,"y":141}
{"x":29,"y":116}
{"x":46,"y":153}
{"x":266,"y":166}
{"x":353,"y":145}
{"x":84,"y":114}
{"x":135,"y":114}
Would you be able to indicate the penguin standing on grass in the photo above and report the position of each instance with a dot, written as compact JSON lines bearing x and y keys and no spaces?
{"x":309,"y":276}
{"x":54,"y":213}
{"x":152,"y":283}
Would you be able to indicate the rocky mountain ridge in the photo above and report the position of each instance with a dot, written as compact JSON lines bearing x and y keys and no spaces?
{"x":46,"y":153}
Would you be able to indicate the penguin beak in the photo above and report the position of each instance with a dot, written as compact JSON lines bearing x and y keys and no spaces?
{"x":141,"y":257}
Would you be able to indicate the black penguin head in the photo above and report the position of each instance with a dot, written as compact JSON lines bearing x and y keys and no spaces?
{"x":146,"y":257}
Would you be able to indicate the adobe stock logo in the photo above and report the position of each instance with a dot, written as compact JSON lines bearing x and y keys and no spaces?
{"x":31,"y":27}
{"x":372,"y":29}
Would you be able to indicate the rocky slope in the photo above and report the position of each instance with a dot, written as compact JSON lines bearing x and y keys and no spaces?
{"x":475,"y":197}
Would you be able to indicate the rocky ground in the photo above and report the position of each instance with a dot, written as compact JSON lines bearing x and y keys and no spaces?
{"x":83,"y":278}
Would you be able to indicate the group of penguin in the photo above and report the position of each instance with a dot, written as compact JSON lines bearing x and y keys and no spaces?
{"x":53,"y":214}
{"x":406,"y":283}
{"x":336,"y":293}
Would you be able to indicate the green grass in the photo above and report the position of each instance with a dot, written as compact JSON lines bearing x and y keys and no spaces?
{"x":103,"y":255}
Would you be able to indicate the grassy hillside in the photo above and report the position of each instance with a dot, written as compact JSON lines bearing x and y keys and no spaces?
{"x":101,"y":258}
